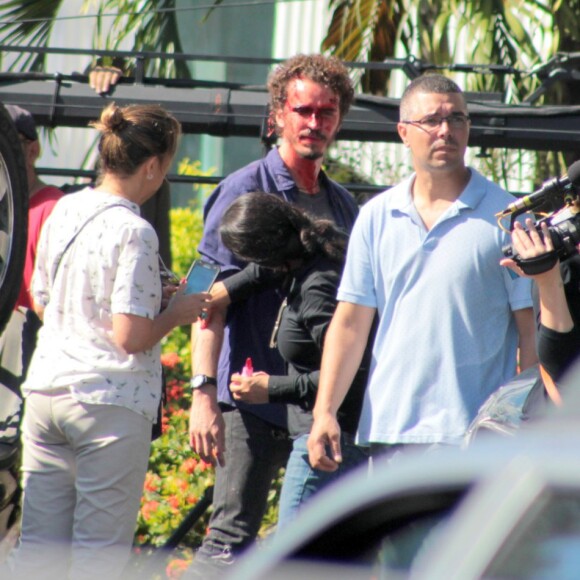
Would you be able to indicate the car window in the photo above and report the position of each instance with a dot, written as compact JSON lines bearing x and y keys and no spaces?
{"x":384,"y":537}
{"x":545,"y":543}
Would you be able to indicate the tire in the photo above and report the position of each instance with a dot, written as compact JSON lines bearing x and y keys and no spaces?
{"x":13,"y":215}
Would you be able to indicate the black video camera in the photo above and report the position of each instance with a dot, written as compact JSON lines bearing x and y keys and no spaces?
{"x":563,"y":224}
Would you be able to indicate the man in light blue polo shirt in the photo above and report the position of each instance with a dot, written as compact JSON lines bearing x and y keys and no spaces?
{"x":425,"y":256}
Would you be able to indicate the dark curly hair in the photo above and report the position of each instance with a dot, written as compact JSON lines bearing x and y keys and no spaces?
{"x":325,"y":70}
{"x":263,"y":228}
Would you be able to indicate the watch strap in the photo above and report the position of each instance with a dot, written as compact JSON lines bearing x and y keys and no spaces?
{"x":199,"y":381}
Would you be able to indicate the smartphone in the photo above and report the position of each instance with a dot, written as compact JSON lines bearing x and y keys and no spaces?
{"x":200,"y":277}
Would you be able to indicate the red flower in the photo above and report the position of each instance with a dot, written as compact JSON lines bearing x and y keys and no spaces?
{"x":176,"y":568}
{"x":203,"y":466}
{"x":174,"y":392}
{"x":189,"y":465}
{"x":151,"y":482}
{"x":173,"y":501}
{"x":149,"y":508}
{"x":164,"y":424}
{"x":170,"y":360}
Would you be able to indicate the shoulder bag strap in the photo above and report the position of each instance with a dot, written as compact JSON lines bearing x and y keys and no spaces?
{"x":70,"y":242}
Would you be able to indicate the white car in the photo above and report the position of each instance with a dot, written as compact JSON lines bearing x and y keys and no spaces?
{"x":505,"y":507}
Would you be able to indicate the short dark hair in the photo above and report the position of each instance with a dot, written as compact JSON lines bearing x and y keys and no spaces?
{"x":130,"y":135}
{"x":325,"y":70}
{"x":263,"y":228}
{"x":23,"y":121}
{"x":427,"y":83}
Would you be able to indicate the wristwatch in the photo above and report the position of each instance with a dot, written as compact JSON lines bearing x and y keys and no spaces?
{"x":200,"y":380}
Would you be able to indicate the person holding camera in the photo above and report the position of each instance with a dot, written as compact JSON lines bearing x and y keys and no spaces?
{"x":425,"y":257}
{"x":557,"y":287}
{"x":94,"y":383}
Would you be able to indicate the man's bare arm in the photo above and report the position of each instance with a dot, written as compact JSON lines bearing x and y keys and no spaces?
{"x":206,"y":424}
{"x":343,"y":351}
{"x":527,"y":337}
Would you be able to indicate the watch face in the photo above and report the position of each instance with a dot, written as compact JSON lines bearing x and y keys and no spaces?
{"x":198,"y":381}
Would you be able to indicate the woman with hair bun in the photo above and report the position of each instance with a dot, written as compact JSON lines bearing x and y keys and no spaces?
{"x":94,"y":383}
{"x":307,"y":256}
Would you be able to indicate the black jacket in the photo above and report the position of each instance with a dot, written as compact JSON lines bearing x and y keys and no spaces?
{"x":309,"y":306}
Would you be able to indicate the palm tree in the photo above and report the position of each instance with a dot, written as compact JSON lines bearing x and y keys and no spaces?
{"x":506,"y":33}
{"x":360,"y":31}
{"x":153,"y":27}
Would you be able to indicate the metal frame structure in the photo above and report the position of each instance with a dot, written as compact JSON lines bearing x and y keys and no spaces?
{"x":227,"y":109}
{"x":223,"y":111}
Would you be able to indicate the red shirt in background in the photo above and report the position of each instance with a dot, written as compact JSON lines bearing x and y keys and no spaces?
{"x":41,"y":205}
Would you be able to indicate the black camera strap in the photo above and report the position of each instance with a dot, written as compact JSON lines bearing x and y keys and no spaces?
{"x":537,"y":265}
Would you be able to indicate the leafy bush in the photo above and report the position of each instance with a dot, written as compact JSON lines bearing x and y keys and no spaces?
{"x":177,"y":478}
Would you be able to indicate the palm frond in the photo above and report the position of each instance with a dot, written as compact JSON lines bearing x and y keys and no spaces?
{"x":153,"y":29}
{"x":27,"y":23}
{"x":361,"y":31}
{"x":209,"y":12}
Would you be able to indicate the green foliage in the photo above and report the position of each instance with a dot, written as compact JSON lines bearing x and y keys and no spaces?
{"x":151,"y":25}
{"x":177,"y":478}
{"x":193,"y":168}
{"x":28,"y":23}
{"x":186,"y":231}
{"x":364,"y":31}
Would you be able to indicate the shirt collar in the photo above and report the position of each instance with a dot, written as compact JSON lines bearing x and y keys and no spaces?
{"x":470,"y":197}
{"x":282,"y":175}
{"x":278,"y":168}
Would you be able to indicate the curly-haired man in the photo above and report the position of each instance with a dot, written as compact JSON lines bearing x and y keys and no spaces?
{"x":310,"y":95}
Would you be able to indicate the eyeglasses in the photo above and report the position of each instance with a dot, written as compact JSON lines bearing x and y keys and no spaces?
{"x":432,"y":123}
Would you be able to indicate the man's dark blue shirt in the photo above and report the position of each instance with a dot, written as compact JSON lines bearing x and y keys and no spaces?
{"x":249,"y":323}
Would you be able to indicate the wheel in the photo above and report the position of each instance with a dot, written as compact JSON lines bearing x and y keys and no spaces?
{"x":13,"y":215}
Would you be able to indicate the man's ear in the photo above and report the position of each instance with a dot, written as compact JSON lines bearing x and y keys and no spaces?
{"x":278,"y":117}
{"x":402,"y":130}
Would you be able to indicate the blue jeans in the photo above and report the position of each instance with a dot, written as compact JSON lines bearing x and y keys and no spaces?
{"x":301,"y":481}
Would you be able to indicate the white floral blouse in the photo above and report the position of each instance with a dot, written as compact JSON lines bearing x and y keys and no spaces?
{"x":110,"y":268}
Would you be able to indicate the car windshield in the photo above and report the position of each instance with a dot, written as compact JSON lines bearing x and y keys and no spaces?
{"x":545,"y":544}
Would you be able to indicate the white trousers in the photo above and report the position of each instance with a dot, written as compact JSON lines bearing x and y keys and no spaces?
{"x":83,"y":471}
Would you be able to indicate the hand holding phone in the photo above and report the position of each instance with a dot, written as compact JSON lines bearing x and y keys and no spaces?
{"x":200,"y":277}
